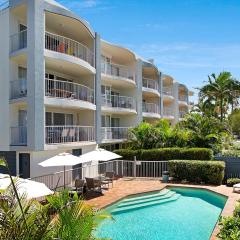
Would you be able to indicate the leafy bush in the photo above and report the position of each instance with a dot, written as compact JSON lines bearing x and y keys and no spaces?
{"x":232,"y":181}
{"x":230,"y":226}
{"x":163,"y":154}
{"x":209,"y":172}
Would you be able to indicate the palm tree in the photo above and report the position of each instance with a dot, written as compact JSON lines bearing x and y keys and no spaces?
{"x":220,"y":92}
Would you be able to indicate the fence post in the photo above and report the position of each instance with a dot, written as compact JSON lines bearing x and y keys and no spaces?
{"x":135,"y":167}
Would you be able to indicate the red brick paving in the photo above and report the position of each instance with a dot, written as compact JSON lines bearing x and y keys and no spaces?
{"x":125,"y":187}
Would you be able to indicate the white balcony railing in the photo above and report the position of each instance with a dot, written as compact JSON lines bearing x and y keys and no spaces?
{"x":168,"y":91}
{"x":116,"y":101}
{"x":18,"y":41}
{"x":68,"y":46}
{"x":150,"y":108}
{"x":114,"y":133}
{"x":68,"y":90}
{"x":69,"y":134}
{"x":18,"y":89}
{"x":19,"y":136}
{"x":150,"y":83}
{"x":117,"y":70}
{"x":183,"y":98}
{"x":168,"y":111}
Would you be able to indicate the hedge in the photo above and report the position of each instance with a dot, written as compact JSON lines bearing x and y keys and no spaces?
{"x":163,"y":154}
{"x":208,"y":172}
{"x":232,"y":181}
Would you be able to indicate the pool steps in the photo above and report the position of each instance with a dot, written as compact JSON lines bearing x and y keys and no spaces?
{"x":168,"y":196}
{"x":153,"y":198}
{"x":155,"y":194}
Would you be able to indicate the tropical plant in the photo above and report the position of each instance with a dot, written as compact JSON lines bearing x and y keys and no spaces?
{"x":234,"y":120}
{"x":74,"y":219}
{"x":21,"y":219}
{"x":206,"y":132}
{"x":221,"y":92}
{"x":230,"y":226}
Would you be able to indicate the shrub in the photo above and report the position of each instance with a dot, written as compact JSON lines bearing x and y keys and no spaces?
{"x":209,"y":172}
{"x":163,"y":154}
{"x":232,"y":181}
{"x":230,"y":226}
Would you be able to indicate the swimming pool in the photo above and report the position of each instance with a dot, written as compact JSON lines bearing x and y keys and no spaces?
{"x":174,"y":213}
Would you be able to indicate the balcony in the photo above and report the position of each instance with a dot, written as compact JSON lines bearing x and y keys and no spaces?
{"x":68,"y":90}
{"x":150,"y":86}
{"x":60,"y":44}
{"x":69,"y":134}
{"x":118,"y":71}
{"x":151,"y":110}
{"x":18,"y":41}
{"x":19,"y":136}
{"x":168,"y":112}
{"x":119,"y":103}
{"x":114,"y":133}
{"x":183,"y":100}
{"x":18,"y":89}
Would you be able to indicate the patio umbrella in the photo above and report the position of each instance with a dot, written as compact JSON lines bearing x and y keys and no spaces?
{"x":99,"y":154}
{"x":30,"y":188}
{"x":62,"y":159}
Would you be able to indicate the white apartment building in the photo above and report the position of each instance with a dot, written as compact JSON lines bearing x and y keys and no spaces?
{"x":65,"y":89}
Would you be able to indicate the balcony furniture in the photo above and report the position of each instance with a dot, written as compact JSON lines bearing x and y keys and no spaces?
{"x":109,"y":177}
{"x":61,"y":93}
{"x":79,"y":186}
{"x":93,"y":184}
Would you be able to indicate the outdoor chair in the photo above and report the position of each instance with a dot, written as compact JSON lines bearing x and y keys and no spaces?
{"x":79,"y":185}
{"x":109,"y":177}
{"x":93,"y":184}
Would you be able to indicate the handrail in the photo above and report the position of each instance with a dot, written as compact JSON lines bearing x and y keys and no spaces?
{"x":167,"y":111}
{"x":168,"y":91}
{"x":63,"y":89}
{"x":111,"y":133}
{"x":69,"y":133}
{"x":62,"y":44}
{"x":18,"y":40}
{"x":116,"y":101}
{"x":150,"y":83}
{"x":150,"y":108}
{"x":117,"y":70}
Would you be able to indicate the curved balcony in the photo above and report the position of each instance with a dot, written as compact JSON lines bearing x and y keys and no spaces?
{"x":69,"y":134}
{"x":118,"y":74}
{"x":114,"y":134}
{"x":64,"y":45}
{"x":18,"y":41}
{"x":151,"y":110}
{"x":150,"y":86}
{"x":118,"y":104}
{"x":18,"y":89}
{"x":183,"y":100}
{"x":168,"y":113}
{"x":168,"y":93}
{"x":78,"y":95}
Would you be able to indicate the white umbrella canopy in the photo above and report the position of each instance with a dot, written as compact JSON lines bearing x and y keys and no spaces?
{"x":30,"y":189}
{"x":62,"y":159}
{"x":99,"y":154}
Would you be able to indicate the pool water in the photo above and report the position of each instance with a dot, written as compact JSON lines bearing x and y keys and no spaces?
{"x":173,"y":213}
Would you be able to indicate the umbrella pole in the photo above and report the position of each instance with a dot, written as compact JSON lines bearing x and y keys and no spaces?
{"x":64,"y":180}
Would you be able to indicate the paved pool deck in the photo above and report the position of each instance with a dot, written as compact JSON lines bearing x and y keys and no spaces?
{"x":128,"y":186}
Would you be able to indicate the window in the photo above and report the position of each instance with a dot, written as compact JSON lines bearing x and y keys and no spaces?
{"x":48,"y":116}
{"x":58,"y":119}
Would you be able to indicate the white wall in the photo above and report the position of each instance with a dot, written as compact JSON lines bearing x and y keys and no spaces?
{"x":4,"y":81}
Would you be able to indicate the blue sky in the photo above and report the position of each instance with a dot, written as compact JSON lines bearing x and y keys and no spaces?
{"x":189,"y":39}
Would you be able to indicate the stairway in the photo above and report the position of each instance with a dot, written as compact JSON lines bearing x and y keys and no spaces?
{"x":156,"y":198}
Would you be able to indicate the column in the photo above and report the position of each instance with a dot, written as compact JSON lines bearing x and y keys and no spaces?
{"x":98,"y":88}
{"x":139,"y":91}
{"x":35,"y":74}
